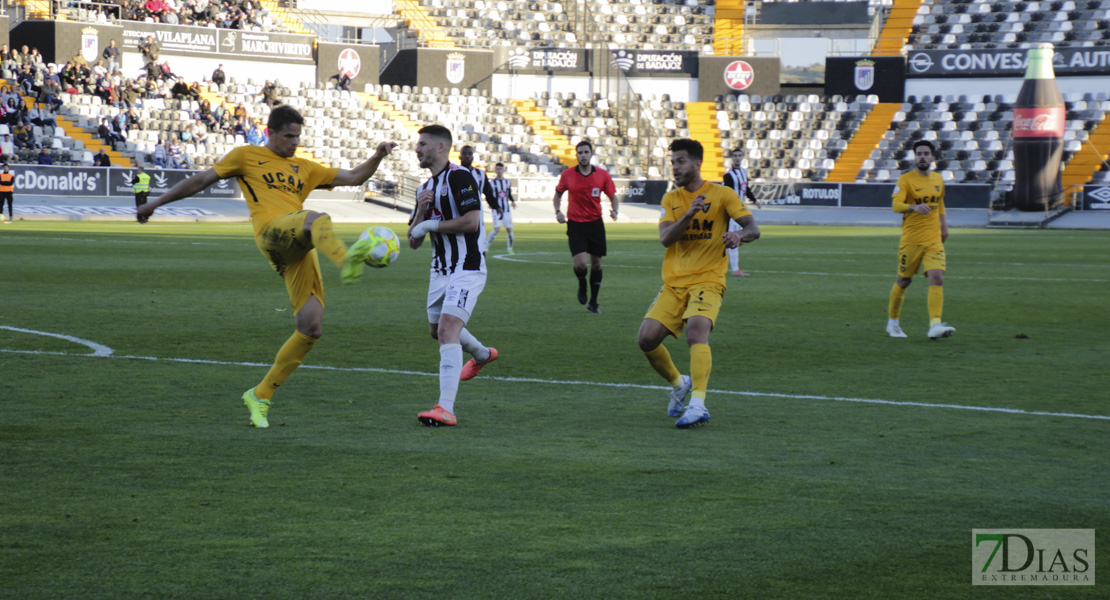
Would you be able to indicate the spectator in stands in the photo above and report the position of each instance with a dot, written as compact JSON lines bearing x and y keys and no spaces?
{"x":8,"y":112}
{"x":180,"y":90}
{"x":241,"y":111}
{"x":7,"y":147}
{"x":218,"y":76}
{"x":23,"y":136}
{"x":131,"y":94}
{"x":111,"y":56}
{"x":179,"y":159}
{"x":102,"y":159}
{"x":200,"y":135}
{"x":342,"y":80}
{"x":254,"y":135}
{"x":50,"y":93}
{"x":269,"y":94}
{"x":104,"y":132}
{"x":26,"y":79}
{"x":119,"y":132}
{"x":160,"y":157}
{"x":240,"y":127}
{"x":35,"y":58}
{"x":150,"y":49}
{"x":44,"y":157}
{"x":24,"y":55}
{"x":6,"y":93}
{"x":9,"y":58}
{"x":131,"y":118}
{"x":104,"y":89}
{"x":98,"y":69}
{"x":51,"y":75}
{"x":152,"y":71}
{"x":166,"y":73}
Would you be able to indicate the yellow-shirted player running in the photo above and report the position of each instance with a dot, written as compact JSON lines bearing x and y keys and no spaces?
{"x":919,"y":197}
{"x":694,"y":229}
{"x":275,"y":184}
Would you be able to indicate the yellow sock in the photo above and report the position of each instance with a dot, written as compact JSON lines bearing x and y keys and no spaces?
{"x":936,"y":304}
{"x":701,"y":364}
{"x":897,"y":296}
{"x":288,"y":359}
{"x":325,"y":240}
{"x":660,"y":360}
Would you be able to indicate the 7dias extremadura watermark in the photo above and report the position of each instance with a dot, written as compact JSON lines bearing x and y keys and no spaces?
{"x":1032,"y":556}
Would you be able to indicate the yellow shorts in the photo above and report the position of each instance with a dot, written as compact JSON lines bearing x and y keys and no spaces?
{"x":910,"y":258}
{"x":289,"y":249}
{"x":673,"y":306}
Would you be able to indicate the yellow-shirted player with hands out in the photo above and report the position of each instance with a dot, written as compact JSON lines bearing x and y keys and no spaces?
{"x":919,"y":197}
{"x":694,"y":229}
{"x":275,"y":184}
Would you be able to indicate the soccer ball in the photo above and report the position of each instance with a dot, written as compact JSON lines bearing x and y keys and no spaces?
{"x":385,"y":247}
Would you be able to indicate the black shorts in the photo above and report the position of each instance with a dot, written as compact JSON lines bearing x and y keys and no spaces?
{"x":588,"y":236}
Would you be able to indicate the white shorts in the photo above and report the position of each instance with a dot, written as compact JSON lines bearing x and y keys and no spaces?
{"x":506,"y":220}
{"x":455,"y":294}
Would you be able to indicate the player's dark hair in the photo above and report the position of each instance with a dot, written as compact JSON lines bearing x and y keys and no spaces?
{"x":692,"y":147}
{"x":738,"y":149}
{"x":584,"y":143}
{"x":438,"y":131}
{"x":283,"y":115}
{"x":499,"y":165}
{"x":927,"y":143}
{"x":467,"y":147}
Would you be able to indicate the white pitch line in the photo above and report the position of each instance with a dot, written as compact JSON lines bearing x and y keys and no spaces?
{"x":98,"y":349}
{"x":1011,"y":411}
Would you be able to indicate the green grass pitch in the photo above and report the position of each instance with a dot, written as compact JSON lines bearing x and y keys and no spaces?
{"x":839,"y":463}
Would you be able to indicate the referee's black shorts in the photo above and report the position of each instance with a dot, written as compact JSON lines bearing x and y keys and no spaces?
{"x":586,"y":236}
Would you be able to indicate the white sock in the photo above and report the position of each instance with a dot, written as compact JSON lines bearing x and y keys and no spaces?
{"x":890,"y":322}
{"x":510,"y":240}
{"x":472,"y":346}
{"x":450,"y":365}
{"x":733,"y":259}
{"x":489,"y":239}
{"x":695,"y":401}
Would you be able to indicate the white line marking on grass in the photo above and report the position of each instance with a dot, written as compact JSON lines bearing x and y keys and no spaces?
{"x":98,"y":349}
{"x":23,"y":240}
{"x":520,"y":257}
{"x":1011,"y":411}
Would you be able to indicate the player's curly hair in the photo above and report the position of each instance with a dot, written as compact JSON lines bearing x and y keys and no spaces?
{"x":692,"y":147}
{"x":283,"y":115}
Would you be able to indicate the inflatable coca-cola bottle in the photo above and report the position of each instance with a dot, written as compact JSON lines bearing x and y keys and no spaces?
{"x":1039,"y":119}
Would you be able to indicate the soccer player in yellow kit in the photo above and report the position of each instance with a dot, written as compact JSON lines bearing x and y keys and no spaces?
{"x":919,"y":197}
{"x":275,"y":184}
{"x":694,"y":229}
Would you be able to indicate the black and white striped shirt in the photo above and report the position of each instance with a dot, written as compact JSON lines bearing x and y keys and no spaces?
{"x":484,"y":188}
{"x":503,"y":192}
{"x":737,"y":179}
{"x":456,"y":193}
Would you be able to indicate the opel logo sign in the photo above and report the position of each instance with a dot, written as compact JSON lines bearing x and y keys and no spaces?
{"x":921,"y":62}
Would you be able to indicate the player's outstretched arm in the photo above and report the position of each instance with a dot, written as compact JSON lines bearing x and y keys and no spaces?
{"x":193,"y":185}
{"x":359,"y":174}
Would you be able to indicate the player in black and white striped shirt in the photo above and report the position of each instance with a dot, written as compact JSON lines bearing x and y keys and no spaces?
{"x":466,"y":160}
{"x":449,"y":208}
{"x":737,"y":179}
{"x":502,"y":214}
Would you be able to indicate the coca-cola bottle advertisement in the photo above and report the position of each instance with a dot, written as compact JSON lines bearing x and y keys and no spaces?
{"x":1039,"y":119}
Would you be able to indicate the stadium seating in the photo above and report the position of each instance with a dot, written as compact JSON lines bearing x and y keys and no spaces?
{"x":1010,"y":24}
{"x":646,"y":24}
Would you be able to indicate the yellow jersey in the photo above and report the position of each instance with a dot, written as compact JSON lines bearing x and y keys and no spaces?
{"x":273,"y":185}
{"x":915,"y":188}
{"x":699,"y":255}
